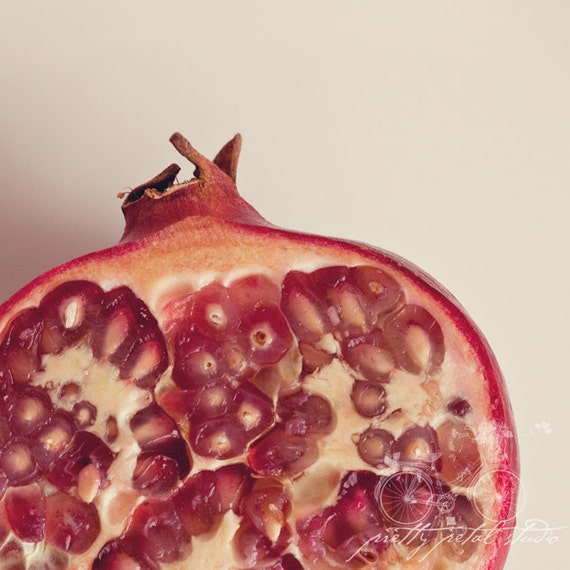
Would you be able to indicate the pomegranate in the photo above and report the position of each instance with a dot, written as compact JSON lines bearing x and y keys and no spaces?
{"x":215,"y":392}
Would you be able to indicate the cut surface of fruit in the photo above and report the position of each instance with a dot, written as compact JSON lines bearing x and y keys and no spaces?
{"x":215,"y":392}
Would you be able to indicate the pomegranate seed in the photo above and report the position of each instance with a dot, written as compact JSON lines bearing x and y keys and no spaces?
{"x":198,"y":504}
{"x":381,"y":293}
{"x":19,"y":350}
{"x":251,"y":546}
{"x":53,"y":439}
{"x":25,"y":510}
{"x":370,"y":355}
{"x":129,"y":336}
{"x":253,"y":410}
{"x":111,"y":429}
{"x":267,"y":333}
{"x":313,"y":358}
{"x":69,"y":309}
{"x":369,"y":399}
{"x":232,"y":483}
{"x":84,"y":413}
{"x":158,"y":532}
{"x":31,"y":408}
{"x":153,"y":429}
{"x":212,"y":401}
{"x":460,"y":456}
{"x":459,"y":407}
{"x":157,"y":433}
{"x":124,"y":554}
{"x":416,"y":338}
{"x":18,"y":463}
{"x":213,"y":313}
{"x":267,"y":508}
{"x":155,"y":474}
{"x":375,"y":446}
{"x":198,"y":361}
{"x":219,"y":438}
{"x":413,"y":501}
{"x":303,"y":413}
{"x":462,"y":531}
{"x":12,"y":555}
{"x":254,"y":290}
{"x":85,"y":449}
{"x":418,"y":446}
{"x":305,"y":311}
{"x":281,"y":454}
{"x":71,"y":525}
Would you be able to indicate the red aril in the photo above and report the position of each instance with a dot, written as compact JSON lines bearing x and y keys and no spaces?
{"x":215,"y":392}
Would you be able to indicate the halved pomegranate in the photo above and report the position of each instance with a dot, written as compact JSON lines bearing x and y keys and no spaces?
{"x":215,"y":392}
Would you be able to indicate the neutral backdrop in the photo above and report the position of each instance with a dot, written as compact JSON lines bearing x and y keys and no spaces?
{"x":437,"y":129}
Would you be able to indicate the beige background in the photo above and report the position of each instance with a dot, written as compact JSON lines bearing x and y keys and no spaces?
{"x":439,"y":130}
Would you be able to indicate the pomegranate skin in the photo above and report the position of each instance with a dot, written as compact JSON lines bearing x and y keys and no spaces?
{"x":179,"y":238}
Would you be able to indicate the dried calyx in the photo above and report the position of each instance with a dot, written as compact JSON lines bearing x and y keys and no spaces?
{"x":215,"y":392}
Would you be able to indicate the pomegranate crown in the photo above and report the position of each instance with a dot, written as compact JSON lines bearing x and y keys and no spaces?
{"x":161,"y":201}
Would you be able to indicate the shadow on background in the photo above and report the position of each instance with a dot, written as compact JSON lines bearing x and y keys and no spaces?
{"x":34,"y":235}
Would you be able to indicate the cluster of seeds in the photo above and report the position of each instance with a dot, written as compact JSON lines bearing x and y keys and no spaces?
{"x":218,"y":418}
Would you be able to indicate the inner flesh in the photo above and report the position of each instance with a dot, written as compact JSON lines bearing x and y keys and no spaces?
{"x":333,"y":419}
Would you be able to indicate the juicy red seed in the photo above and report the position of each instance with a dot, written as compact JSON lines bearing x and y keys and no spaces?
{"x":418,"y":446}
{"x":155,"y":474}
{"x":30,"y":408}
{"x":18,"y":463}
{"x":370,"y":355}
{"x":157,"y":433}
{"x":85,"y":449}
{"x":279,"y":453}
{"x":198,"y":504}
{"x":198,"y":361}
{"x":267,"y":334}
{"x":220,"y":438}
{"x":12,"y":555}
{"x":69,"y":311}
{"x":313,"y":358}
{"x":369,"y":399}
{"x":375,"y":446}
{"x":71,"y":524}
{"x":304,"y":308}
{"x":19,"y":350}
{"x":381,"y":293}
{"x":463,"y":531}
{"x":459,"y":407}
{"x":303,"y":413}
{"x":84,"y":413}
{"x":397,"y":328}
{"x":213,"y":313}
{"x":232,"y":482}
{"x":124,"y":554}
{"x":212,"y":401}
{"x":410,"y":499}
{"x":51,"y":440}
{"x":146,"y":362}
{"x":253,"y":290}
{"x":158,"y":531}
{"x":253,"y":410}
{"x":25,"y":510}
{"x":153,"y":429}
{"x":251,"y":546}
{"x":140,"y":328}
{"x":267,"y":508}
